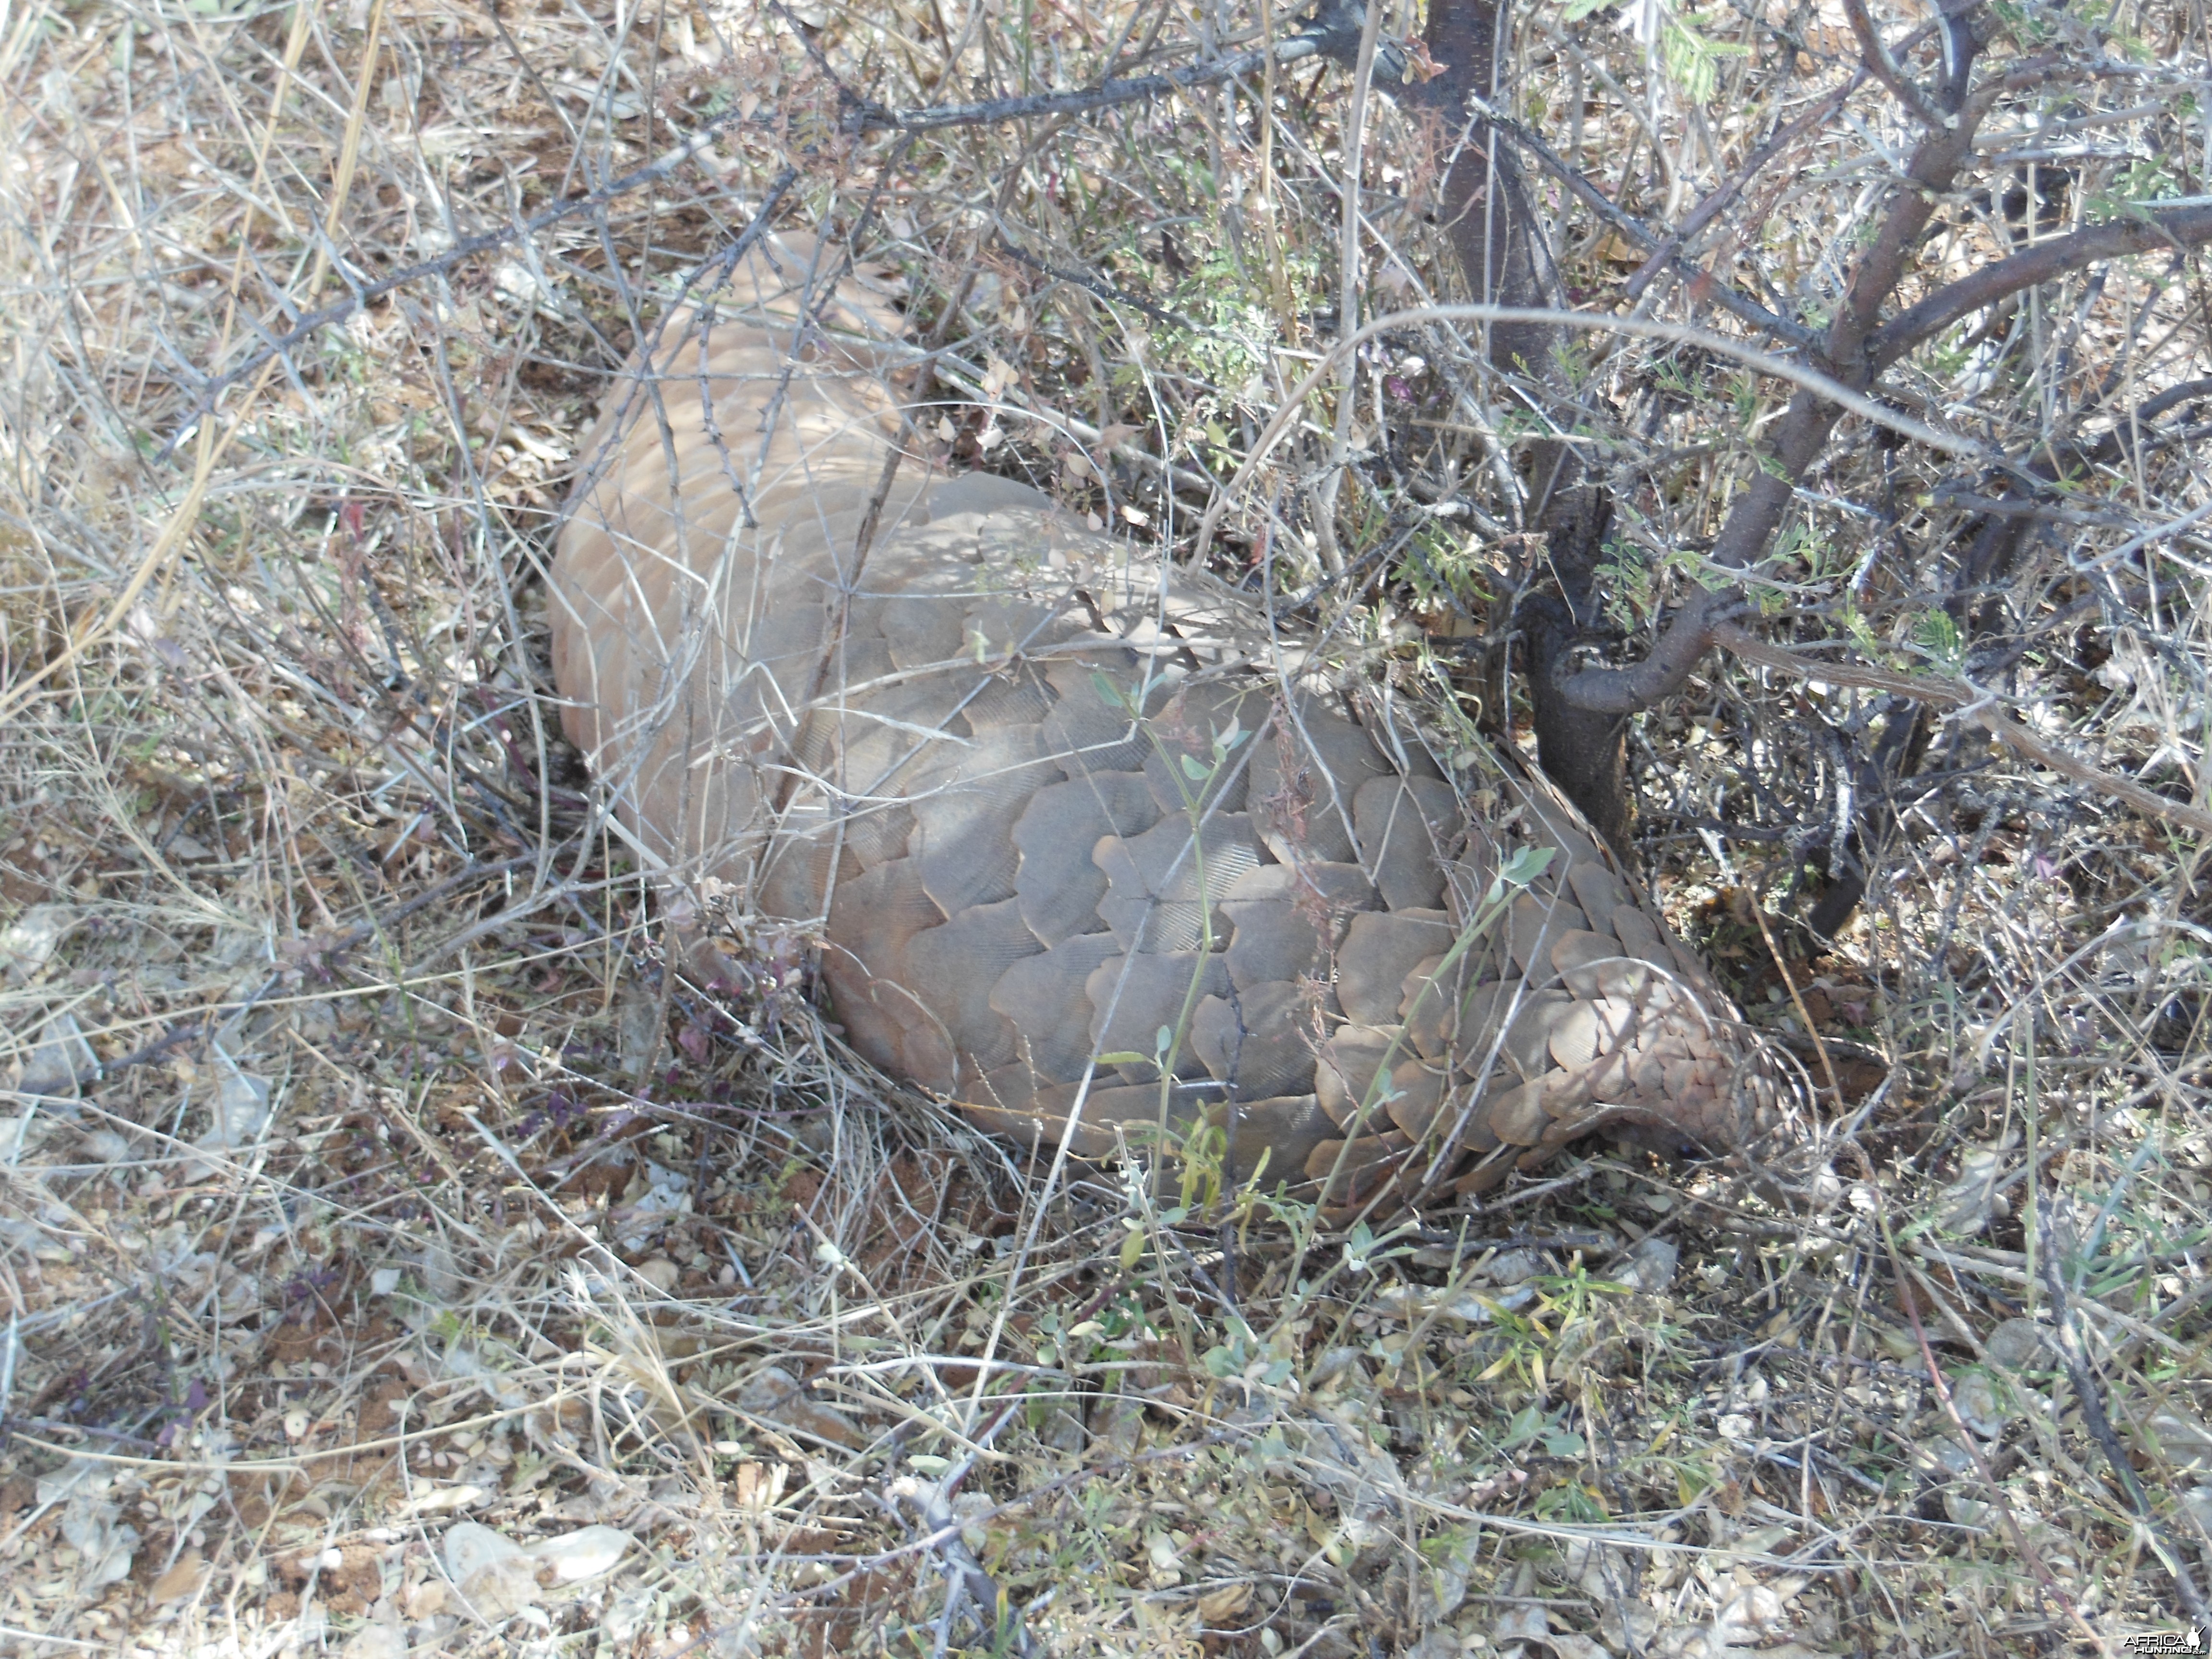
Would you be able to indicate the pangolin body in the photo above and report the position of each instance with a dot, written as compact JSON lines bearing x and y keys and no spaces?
{"x":1062,"y":816}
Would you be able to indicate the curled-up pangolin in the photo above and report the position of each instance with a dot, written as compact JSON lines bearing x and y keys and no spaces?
{"x":1064,"y":818}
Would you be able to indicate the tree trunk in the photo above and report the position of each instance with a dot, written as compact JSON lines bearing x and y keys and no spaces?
{"x":1494,"y":228}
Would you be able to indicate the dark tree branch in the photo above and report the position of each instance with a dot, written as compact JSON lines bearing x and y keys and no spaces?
{"x":1885,"y":69}
{"x":1805,"y":427}
{"x":1099,"y":288}
{"x":1976,"y":706}
{"x":1107,"y":94}
{"x":1497,"y":233}
{"x":1722,"y":198}
{"x":1667,"y":250}
{"x":2175,"y":229}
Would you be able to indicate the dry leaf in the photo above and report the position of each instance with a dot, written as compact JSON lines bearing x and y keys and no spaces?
{"x":1218,"y":1605}
{"x":181,"y":1582}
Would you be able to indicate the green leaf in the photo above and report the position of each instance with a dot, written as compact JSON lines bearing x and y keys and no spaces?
{"x":1111,"y":694}
{"x":1525,"y":866}
{"x":1359,"y":1244}
{"x":1935,"y":633}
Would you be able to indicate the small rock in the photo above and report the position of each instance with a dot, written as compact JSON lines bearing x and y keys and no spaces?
{"x":2017,"y":1344}
{"x":60,"y":1061}
{"x":1511,"y":1266}
{"x":584,"y":1553}
{"x":94,"y":1527}
{"x":472,"y":1545}
{"x":1521,"y":1624}
{"x":240,"y":1109}
{"x":626,"y":1615}
{"x":1984,"y":1404}
{"x":1826,"y":1189}
{"x":1649,"y":1266}
{"x":380,"y":1638}
{"x":496,"y":1577}
{"x":29,"y":940}
{"x":2197,"y":1501}
{"x":1973,"y":1201}
{"x":427,"y":1599}
{"x":1952,"y":1466}
{"x":1942,"y":1460}
{"x":2183,"y":1442}
{"x":637,"y":1030}
{"x":105,"y":1146}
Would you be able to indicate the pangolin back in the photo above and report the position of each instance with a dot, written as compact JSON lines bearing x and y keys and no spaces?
{"x":1063,"y":816}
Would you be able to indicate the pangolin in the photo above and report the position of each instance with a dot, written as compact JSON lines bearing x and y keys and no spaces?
{"x":1090,"y":847}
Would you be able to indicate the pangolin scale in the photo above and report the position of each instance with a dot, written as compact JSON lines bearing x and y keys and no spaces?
{"x":1089,"y":848}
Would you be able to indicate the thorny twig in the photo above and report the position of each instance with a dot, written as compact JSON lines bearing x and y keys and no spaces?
{"x":364,"y":295}
{"x":2066,"y":1337}
{"x":933,"y":1500}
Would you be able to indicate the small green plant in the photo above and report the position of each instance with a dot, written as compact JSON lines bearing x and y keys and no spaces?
{"x":1693,"y":59}
{"x":2146,"y":180}
{"x":1935,"y":636}
{"x":1531,"y":1425}
{"x":1235,"y":329}
{"x":1573,"y":1503}
{"x":1442,"y":568}
{"x":1669,"y":375}
{"x":1630,"y":591}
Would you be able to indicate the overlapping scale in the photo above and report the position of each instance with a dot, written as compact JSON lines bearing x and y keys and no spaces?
{"x":934,"y":754}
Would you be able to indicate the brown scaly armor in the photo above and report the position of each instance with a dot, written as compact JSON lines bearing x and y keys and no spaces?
{"x":1044,"y":798}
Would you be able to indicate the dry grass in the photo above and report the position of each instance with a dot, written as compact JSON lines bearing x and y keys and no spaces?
{"x":368,"y":1180}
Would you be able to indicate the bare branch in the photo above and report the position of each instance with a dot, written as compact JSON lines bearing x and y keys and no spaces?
{"x":2177,"y":228}
{"x":1666,"y":250}
{"x":1106,"y":96}
{"x":364,"y":295}
{"x":1978,"y":705}
{"x":1804,"y":429}
{"x":1885,"y":69}
{"x":1719,"y":201}
{"x":1824,"y":388}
